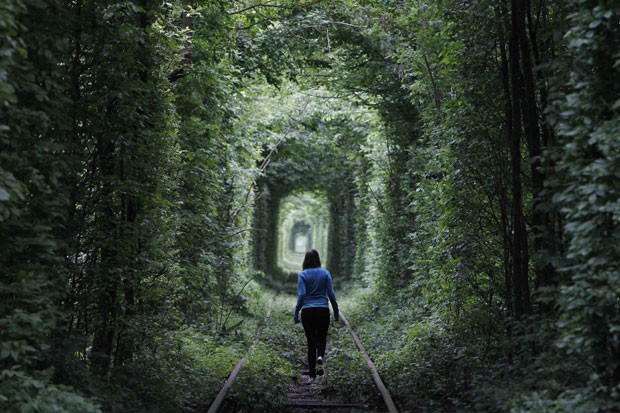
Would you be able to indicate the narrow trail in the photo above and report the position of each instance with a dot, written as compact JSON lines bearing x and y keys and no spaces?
{"x":350,"y":383}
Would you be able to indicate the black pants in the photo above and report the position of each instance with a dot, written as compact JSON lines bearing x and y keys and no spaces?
{"x":316,"y":324}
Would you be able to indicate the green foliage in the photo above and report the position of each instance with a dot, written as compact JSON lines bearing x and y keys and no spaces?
{"x":315,"y":149}
{"x":182,"y":369}
{"x":425,"y":361}
{"x":261,"y":384}
{"x":21,"y":392}
{"x":348,"y":377}
{"x":93,"y":133}
{"x":33,"y":208}
{"x":585,"y":191}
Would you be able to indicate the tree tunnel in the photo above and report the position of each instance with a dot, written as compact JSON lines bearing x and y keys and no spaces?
{"x":307,"y":198}
{"x":303,"y":223}
{"x":289,"y":221}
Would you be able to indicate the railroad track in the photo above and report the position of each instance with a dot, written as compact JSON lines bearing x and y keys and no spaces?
{"x":219,"y":399}
{"x":319,"y":396}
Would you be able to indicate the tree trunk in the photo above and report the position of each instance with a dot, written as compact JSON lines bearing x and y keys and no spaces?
{"x":522,"y":305}
{"x":538,"y":139}
{"x":107,"y":281}
{"x":531,"y":115}
{"x":507,"y":230}
{"x":74,"y":192}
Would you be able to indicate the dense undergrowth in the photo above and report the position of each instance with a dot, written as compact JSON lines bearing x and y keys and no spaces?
{"x":432,"y":365}
{"x":183,"y":370}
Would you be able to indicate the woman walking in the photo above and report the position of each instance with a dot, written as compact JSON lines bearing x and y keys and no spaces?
{"x":314,"y":287}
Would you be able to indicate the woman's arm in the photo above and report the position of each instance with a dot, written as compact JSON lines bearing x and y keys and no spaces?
{"x":301,"y":294}
{"x":332,"y":296}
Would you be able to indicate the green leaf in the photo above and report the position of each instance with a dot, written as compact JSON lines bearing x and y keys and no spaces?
{"x":4,"y":195}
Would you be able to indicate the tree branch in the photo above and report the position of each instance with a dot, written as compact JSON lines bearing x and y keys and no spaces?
{"x":271,"y":5}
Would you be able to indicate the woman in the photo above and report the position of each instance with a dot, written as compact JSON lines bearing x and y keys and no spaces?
{"x":314,"y":286}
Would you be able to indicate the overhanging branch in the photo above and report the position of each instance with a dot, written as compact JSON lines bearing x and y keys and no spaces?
{"x":269,"y":4}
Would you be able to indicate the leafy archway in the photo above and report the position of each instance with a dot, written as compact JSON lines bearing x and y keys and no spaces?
{"x":303,"y":223}
{"x":318,"y":149}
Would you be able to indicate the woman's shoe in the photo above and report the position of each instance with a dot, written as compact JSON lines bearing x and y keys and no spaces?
{"x":309,"y":380}
{"x":319,"y":361}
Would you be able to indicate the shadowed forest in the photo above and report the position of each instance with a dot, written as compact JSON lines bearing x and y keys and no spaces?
{"x":164,"y":166}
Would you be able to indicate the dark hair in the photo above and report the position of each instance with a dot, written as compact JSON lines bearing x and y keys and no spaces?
{"x":311,"y":260}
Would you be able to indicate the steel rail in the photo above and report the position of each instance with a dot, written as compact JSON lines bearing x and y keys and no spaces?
{"x":385,"y":393}
{"x":219,"y":399}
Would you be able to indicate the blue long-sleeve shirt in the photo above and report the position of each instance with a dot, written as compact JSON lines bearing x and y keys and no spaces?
{"x":314,"y":287}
